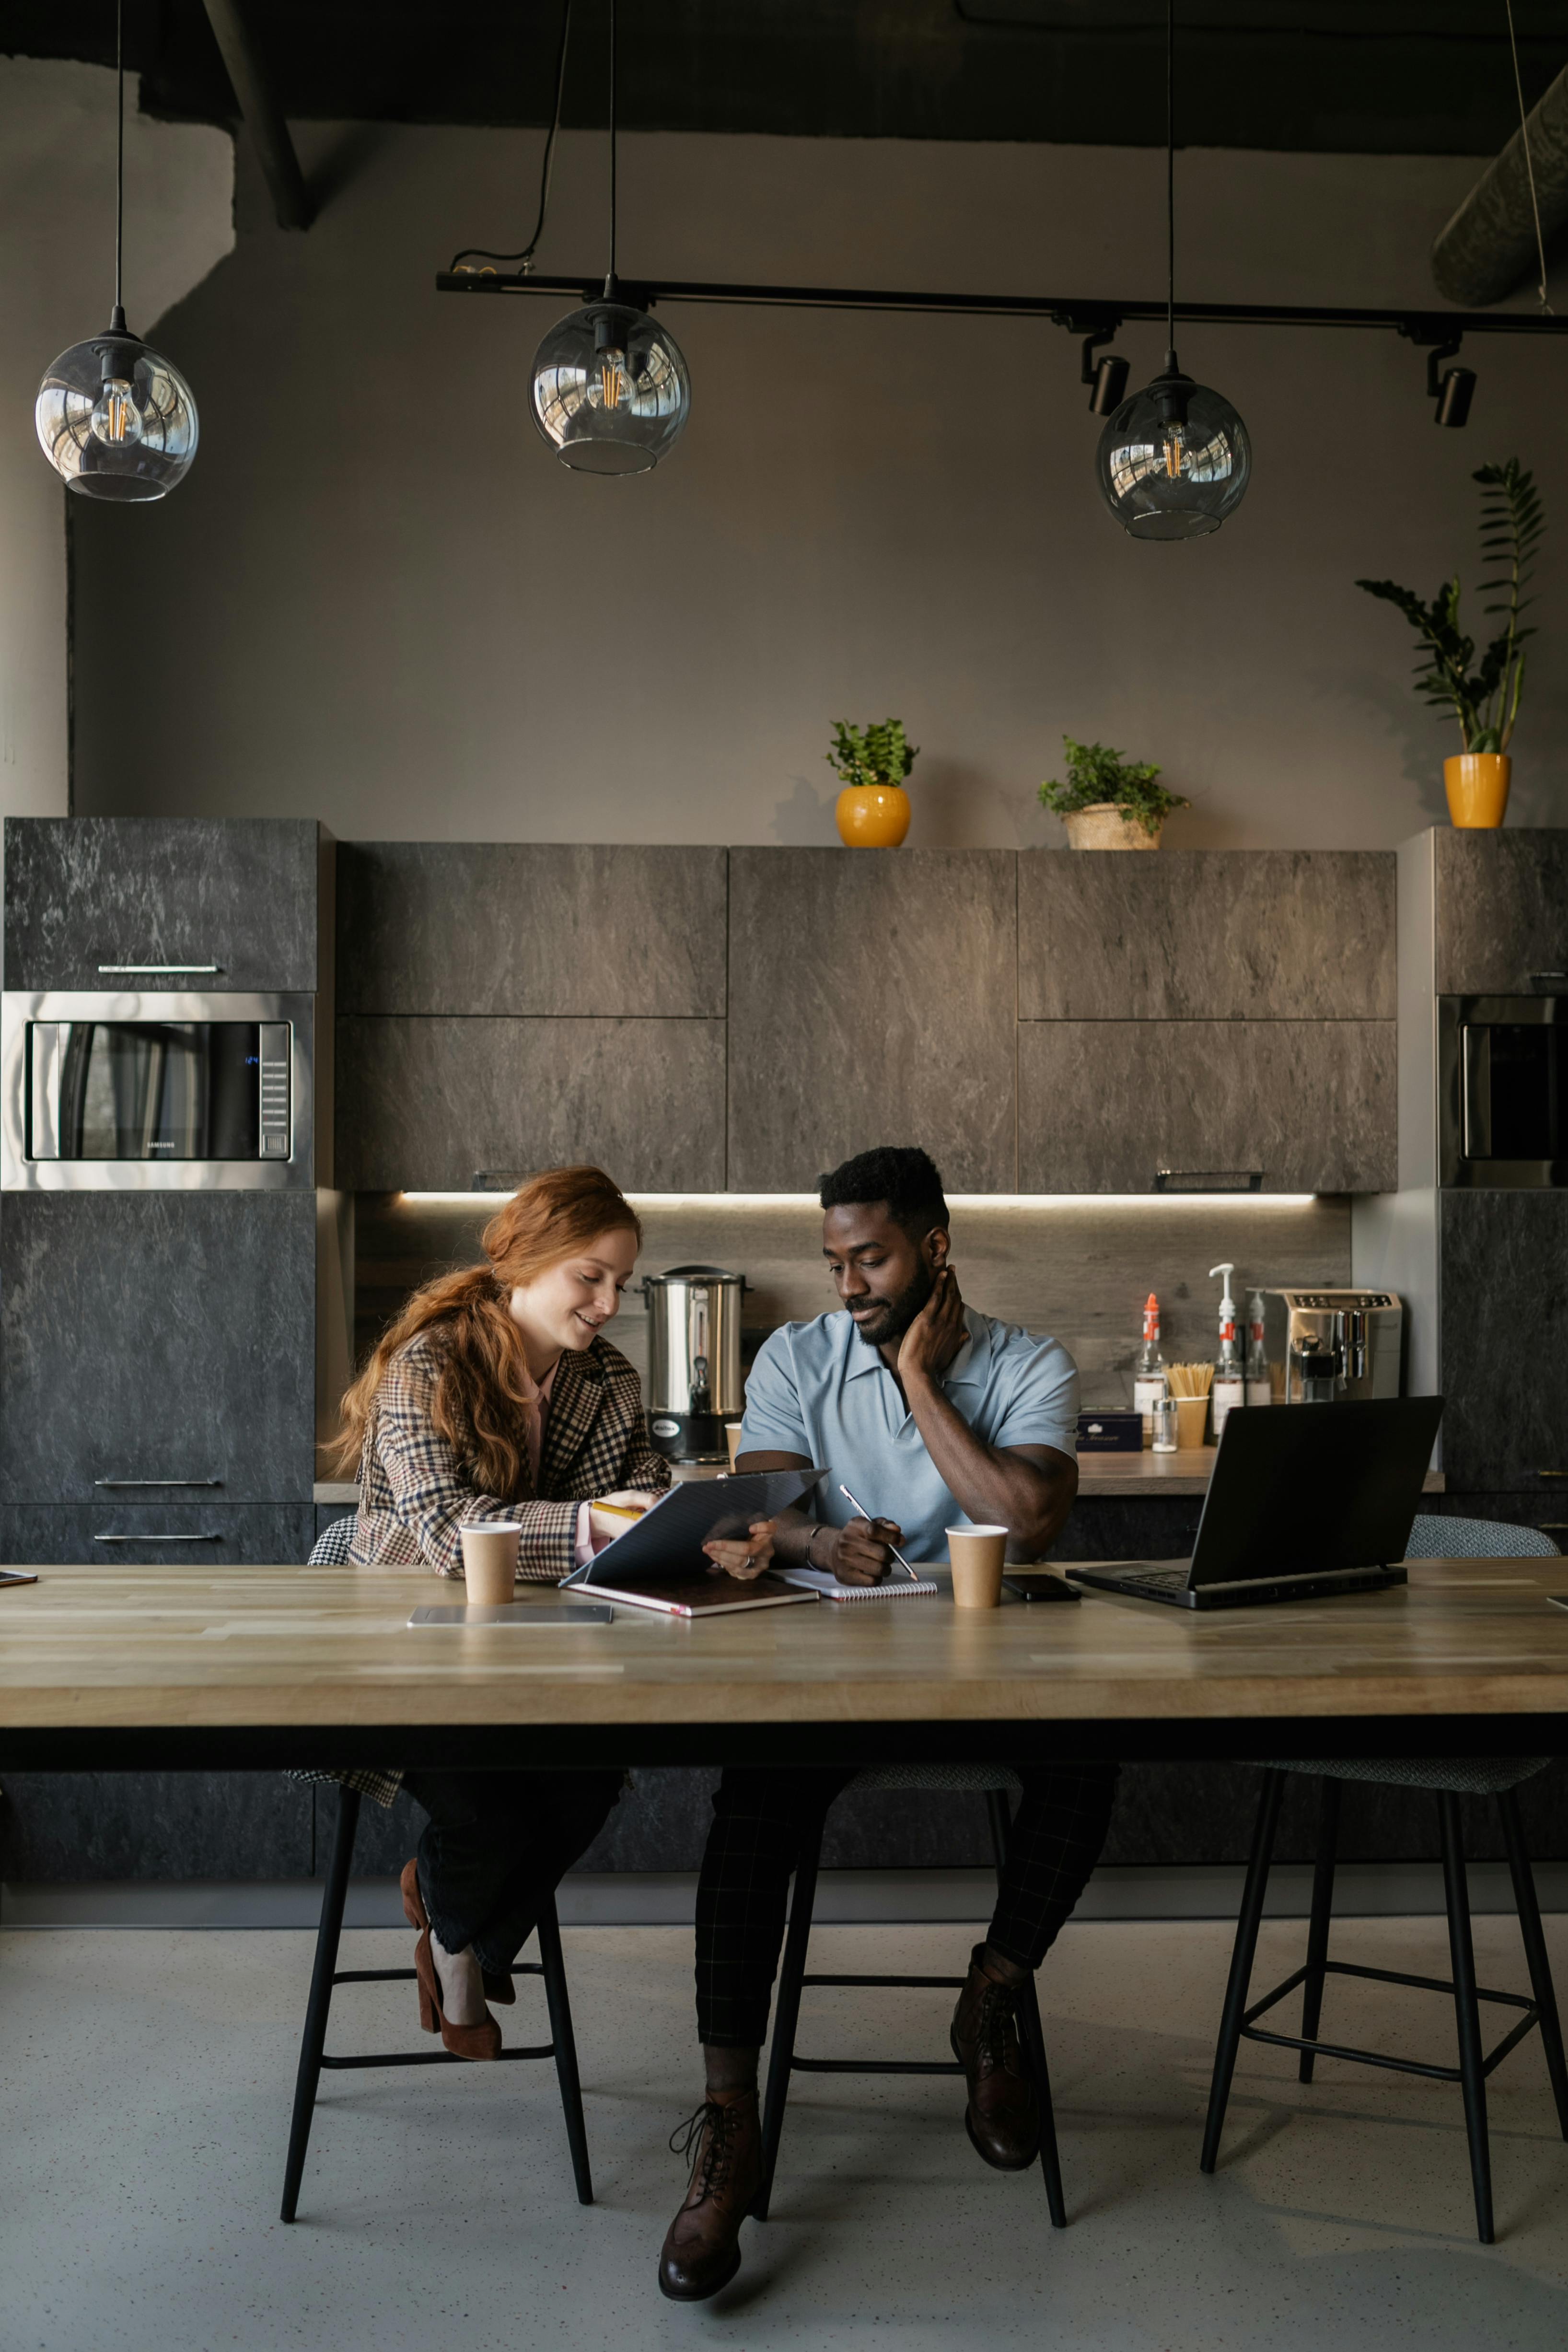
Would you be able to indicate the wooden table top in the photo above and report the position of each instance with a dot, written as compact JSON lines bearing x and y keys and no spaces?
{"x":95,"y":1647}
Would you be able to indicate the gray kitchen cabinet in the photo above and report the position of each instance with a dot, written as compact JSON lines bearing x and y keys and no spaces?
{"x":872,"y":1000}
{"x":1206,"y":935}
{"x":157,"y":1337}
{"x":112,"y":1534}
{"x":1503,"y":1304}
{"x":1103,"y":1103}
{"x":241,"y":893}
{"x":524,"y":927}
{"x":1499,"y":909}
{"x":423,"y":1105}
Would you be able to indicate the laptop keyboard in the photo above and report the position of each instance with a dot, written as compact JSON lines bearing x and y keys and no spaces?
{"x":1155,"y":1579}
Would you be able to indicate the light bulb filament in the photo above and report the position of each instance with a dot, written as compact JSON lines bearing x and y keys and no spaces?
{"x":612,"y":379}
{"x":1173,"y":454}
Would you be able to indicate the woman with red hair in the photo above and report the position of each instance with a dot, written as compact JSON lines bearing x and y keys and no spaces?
{"x":496,"y":1395}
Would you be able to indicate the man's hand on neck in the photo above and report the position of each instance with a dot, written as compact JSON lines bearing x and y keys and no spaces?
{"x":933,"y":1340}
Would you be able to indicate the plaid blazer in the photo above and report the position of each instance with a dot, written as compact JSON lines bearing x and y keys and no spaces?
{"x":414,"y":1497}
{"x":415,"y":1494}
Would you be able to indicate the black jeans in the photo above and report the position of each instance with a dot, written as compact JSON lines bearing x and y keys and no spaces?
{"x":496,"y":1847}
{"x":752,"y":1847}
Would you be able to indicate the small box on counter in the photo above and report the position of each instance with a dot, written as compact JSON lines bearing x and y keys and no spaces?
{"x":1110,"y":1433}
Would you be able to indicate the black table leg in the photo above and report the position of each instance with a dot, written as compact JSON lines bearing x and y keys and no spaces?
{"x":1467,"y":2010}
{"x":334,"y":1894}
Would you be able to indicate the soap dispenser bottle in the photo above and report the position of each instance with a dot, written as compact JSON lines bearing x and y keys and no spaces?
{"x":1259,"y":1387}
{"x":1229,"y":1388}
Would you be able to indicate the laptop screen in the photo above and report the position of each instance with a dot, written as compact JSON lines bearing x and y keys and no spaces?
{"x":1303,"y":1488}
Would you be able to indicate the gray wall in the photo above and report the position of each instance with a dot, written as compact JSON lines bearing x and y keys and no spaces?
{"x":378,"y":600}
{"x":56,"y":282}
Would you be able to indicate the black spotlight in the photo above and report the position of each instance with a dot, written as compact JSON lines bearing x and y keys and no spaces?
{"x":1454,"y":390}
{"x":1106,"y":378}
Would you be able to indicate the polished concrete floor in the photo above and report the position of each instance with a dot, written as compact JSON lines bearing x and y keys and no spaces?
{"x":145,"y":2087}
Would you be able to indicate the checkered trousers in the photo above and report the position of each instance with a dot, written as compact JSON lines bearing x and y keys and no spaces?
{"x":759,"y":1818}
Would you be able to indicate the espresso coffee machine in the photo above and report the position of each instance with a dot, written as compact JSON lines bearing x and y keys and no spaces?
{"x":1331,"y":1347}
{"x":694,"y":1360}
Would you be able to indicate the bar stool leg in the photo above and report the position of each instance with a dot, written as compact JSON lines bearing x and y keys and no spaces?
{"x":334,"y":1894}
{"x":1034,"y":2038}
{"x":1467,"y":2010}
{"x":1322,"y":1911}
{"x":1241,"y":1959}
{"x":1541,"y":1983}
{"x":787,"y":2010}
{"x":554,"y":1971}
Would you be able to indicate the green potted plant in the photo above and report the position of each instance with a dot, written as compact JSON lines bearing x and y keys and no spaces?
{"x":1109,"y":803}
{"x":872,"y":810}
{"x":1485,"y":700}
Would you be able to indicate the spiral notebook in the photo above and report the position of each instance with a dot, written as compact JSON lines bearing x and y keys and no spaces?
{"x":823,"y":1580}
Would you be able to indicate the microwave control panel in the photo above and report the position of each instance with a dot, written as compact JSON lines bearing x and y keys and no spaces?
{"x":275,"y":1056}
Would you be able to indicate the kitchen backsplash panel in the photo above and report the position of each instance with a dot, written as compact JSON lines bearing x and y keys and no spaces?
{"x":1080,"y":1269}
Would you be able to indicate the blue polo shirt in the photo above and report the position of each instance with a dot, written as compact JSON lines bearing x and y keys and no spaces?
{"x":820,"y":1389}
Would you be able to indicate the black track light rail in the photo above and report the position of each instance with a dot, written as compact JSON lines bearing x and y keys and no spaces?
{"x":1079,"y":318}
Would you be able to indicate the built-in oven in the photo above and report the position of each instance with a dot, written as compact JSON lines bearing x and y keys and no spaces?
{"x":160,"y":1091}
{"x":1502,"y":1090}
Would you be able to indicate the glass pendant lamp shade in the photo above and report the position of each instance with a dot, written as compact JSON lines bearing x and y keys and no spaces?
{"x":1173,"y":460}
{"x":610,"y":390}
{"x":115,"y":419}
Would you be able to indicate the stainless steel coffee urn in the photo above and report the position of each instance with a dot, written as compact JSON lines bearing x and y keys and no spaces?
{"x":694,"y":1360}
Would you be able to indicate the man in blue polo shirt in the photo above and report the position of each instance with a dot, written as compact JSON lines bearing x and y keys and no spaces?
{"x":937,"y":1416}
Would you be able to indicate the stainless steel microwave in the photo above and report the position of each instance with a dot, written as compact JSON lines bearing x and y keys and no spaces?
{"x":1502,"y":1091}
{"x":157,"y":1091}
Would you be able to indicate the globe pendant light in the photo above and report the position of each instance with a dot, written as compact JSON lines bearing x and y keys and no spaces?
{"x":114,"y":418}
{"x":1173,"y":461}
{"x":611,"y":391}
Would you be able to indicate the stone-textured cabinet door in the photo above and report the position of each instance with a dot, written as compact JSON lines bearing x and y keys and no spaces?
{"x":1103,"y":1105}
{"x":83,"y":893}
{"x":545,"y":929}
{"x":1504,"y":1309}
{"x":113,"y":1533}
{"x":872,"y":1000}
{"x":425,"y":1105}
{"x":1501,"y":910}
{"x":1206,"y":935}
{"x":159,"y":1337}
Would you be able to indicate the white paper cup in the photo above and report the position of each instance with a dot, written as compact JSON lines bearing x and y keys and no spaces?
{"x":732,"y":1439}
{"x":977,"y":1555}
{"x":490,"y":1561}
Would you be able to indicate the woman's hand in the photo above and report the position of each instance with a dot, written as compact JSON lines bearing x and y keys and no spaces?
{"x":743,"y":1559}
{"x":605,"y":1523}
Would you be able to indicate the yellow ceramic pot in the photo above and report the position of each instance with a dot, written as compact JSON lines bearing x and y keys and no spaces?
{"x":872,"y":816}
{"x":1477,"y":785}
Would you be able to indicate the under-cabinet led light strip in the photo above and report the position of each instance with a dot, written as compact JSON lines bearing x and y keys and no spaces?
{"x":967,"y":1201}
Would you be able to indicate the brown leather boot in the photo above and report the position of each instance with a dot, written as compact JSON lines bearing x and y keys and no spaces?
{"x":1002,"y":2117}
{"x":701,"y":2252}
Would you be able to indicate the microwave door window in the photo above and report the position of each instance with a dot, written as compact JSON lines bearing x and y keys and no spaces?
{"x":160,"y":1091}
{"x":1525,"y":1091}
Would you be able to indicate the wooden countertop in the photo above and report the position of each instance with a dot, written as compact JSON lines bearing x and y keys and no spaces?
{"x":94,"y":1647}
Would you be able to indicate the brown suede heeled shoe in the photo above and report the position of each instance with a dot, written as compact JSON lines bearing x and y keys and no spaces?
{"x":462,"y":2041}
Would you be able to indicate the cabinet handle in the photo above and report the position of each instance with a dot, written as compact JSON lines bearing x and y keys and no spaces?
{"x":158,"y":1481}
{"x":161,"y":967}
{"x":153,"y":1538}
{"x":1551,"y":1473}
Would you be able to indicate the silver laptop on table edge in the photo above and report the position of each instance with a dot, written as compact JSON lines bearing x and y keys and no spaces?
{"x":1305,"y":1500}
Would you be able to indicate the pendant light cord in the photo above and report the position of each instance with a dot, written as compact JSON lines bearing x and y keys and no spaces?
{"x":525,"y":257}
{"x":1529,"y":165}
{"x":612,"y":139}
{"x":119,"y":161}
{"x":1170,"y":183}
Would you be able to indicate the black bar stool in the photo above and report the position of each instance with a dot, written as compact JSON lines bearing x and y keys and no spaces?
{"x":1449,"y":1779}
{"x":996,"y":1783}
{"x":327,"y":1975}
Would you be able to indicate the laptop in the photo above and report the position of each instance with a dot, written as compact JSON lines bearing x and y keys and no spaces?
{"x":1305,"y":1500}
